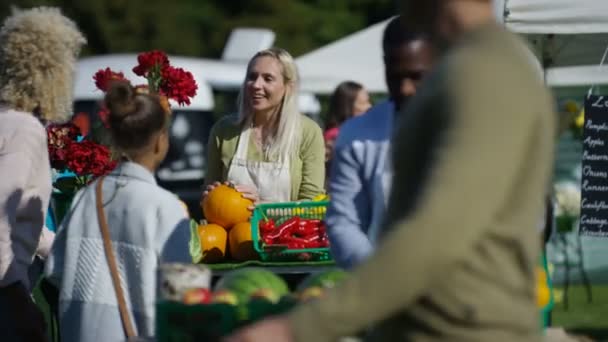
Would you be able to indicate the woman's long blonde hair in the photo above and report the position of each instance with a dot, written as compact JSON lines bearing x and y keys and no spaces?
{"x":286,"y":139}
{"x":38,"y":51}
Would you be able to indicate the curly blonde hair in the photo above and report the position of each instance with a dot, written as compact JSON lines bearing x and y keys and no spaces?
{"x":38,"y":52}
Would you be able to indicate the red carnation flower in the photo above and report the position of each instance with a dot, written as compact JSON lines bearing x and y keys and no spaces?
{"x":150,"y":60}
{"x":60,"y":135}
{"x":89,"y":158}
{"x":59,"y":138}
{"x":178,"y":84}
{"x":104,"y":77}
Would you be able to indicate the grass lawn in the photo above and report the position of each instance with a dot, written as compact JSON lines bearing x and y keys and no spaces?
{"x":589,"y":319}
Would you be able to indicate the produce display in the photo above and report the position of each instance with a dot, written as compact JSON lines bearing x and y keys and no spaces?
{"x":256,"y":285}
{"x":327,"y":279}
{"x":213,"y":242}
{"x":291,"y":231}
{"x":225,"y":206}
{"x":226,"y":232}
{"x":253,"y":282}
{"x":241,"y":243}
{"x":240,"y":297}
{"x":295,"y":233}
{"x":232,"y":233}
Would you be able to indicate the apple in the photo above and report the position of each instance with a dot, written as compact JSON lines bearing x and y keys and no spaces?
{"x":265,"y":294}
{"x":224,"y":296}
{"x":311,"y":293}
{"x":197,"y":296}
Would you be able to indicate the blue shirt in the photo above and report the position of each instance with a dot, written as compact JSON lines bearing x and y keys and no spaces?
{"x":359,"y":184}
{"x":147,"y":225}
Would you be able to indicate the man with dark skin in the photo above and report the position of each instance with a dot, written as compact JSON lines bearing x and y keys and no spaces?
{"x":361,"y":172}
{"x":473,"y":156}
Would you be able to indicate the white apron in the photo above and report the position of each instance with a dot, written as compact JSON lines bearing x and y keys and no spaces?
{"x":272,"y":179}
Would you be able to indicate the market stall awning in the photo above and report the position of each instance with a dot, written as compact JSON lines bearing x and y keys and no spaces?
{"x":357,"y":57}
{"x":563,"y":32}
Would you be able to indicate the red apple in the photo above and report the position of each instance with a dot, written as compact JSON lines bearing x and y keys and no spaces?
{"x":197,"y":296}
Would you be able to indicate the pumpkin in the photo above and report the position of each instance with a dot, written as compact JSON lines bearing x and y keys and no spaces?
{"x":226,"y":207}
{"x":213,"y":242}
{"x":241,"y":243}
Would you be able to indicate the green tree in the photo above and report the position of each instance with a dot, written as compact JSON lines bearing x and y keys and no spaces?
{"x":200,"y":28}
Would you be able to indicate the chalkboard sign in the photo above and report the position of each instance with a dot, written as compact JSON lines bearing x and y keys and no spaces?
{"x":594,"y":183}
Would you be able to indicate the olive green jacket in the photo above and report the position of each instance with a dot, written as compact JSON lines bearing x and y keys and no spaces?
{"x":307,"y":167}
{"x":472,"y":160}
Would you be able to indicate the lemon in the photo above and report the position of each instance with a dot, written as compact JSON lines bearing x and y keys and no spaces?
{"x":579,"y":121}
{"x":543,"y":294}
{"x":320,"y":197}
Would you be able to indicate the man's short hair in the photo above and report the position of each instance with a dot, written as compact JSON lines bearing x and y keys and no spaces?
{"x":397,"y":34}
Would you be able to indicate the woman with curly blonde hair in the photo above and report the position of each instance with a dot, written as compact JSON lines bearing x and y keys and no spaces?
{"x":38,"y":52}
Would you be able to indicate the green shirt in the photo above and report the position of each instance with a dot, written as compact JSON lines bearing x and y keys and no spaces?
{"x":307,"y":167}
{"x":472,"y":160}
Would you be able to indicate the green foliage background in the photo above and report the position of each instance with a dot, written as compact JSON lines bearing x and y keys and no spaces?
{"x":200,"y":28}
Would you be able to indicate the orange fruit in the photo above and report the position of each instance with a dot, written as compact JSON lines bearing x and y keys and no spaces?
{"x":226,"y":206}
{"x":241,"y":242}
{"x":213,"y":240}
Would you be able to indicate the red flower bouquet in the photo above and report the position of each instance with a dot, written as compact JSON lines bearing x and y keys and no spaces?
{"x":162,"y":79}
{"x":78,"y":162}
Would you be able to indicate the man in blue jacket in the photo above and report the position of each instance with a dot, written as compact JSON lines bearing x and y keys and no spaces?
{"x":360,"y":177}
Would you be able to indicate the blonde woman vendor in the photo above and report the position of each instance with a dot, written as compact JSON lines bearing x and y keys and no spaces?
{"x":270,"y":151}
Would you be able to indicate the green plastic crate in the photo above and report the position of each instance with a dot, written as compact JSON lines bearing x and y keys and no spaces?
{"x":281,"y":212}
{"x":546,"y":311}
{"x":177,"y":322}
{"x":184,"y":323}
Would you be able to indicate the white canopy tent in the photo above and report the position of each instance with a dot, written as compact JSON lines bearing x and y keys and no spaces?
{"x":356,"y":57}
{"x":569,"y":38}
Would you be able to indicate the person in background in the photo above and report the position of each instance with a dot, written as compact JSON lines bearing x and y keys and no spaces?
{"x":360,"y":177}
{"x":457,"y":256}
{"x":270,"y":151}
{"x":349,"y":99}
{"x":147,"y":225}
{"x":38,"y":52}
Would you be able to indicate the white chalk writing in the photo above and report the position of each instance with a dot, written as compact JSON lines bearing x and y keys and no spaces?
{"x":588,"y":187}
{"x":598,"y":128}
{"x":594,"y":157}
{"x":593,"y":142}
{"x":589,"y":172}
{"x":593,"y":221}
{"x":599,"y":103}
{"x":593,"y":205}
